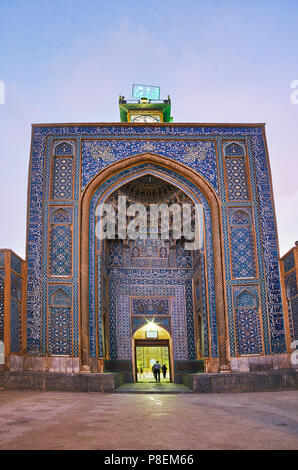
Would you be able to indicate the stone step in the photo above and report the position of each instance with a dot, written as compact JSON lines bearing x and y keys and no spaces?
{"x":162,"y":388}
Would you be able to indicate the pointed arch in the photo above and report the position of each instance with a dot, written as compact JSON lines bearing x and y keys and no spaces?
{"x":233,"y":149}
{"x":192,"y":178}
{"x":246,"y":298}
{"x":240,"y":217}
{"x":64,"y":148}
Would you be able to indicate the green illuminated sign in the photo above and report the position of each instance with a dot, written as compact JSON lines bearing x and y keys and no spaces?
{"x":146,"y":91}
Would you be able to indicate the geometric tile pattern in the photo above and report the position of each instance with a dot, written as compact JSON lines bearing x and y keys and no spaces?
{"x":177,"y":142}
{"x":289,"y":262}
{"x":290,"y":281}
{"x":198,"y":154}
{"x":242,"y":252}
{"x":60,"y":250}
{"x":240,"y":216}
{"x":60,"y":215}
{"x":291,"y":285}
{"x":115,"y":256}
{"x":16,"y":314}
{"x":159,"y":275}
{"x":1,"y":307}
{"x":236,"y":179}
{"x":120,"y":317}
{"x":147,"y":253}
{"x":247,"y":321}
{"x":16,"y":286}
{"x":59,"y":327}
{"x":59,"y":331}
{"x":233,"y":150}
{"x":183,"y":258}
{"x":60,"y":298}
{"x":248,"y":331}
{"x":294,"y":311}
{"x":63,"y":149}
{"x":15,"y":326}
{"x":16,"y":264}
{"x":62,"y":178}
{"x":139,"y":322}
{"x":150,"y":307}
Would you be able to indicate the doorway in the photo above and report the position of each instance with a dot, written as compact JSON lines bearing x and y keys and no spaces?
{"x":148,"y":353}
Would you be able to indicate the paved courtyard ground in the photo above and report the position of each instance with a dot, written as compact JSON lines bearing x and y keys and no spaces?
{"x":55,"y":420}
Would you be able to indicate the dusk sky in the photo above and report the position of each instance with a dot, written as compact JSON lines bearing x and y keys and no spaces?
{"x":220,"y":61}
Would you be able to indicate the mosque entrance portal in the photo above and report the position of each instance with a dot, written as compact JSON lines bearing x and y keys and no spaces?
{"x":152,"y":275}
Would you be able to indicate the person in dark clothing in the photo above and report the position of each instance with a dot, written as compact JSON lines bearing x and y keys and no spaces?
{"x":164,"y":370}
{"x":156,"y":371}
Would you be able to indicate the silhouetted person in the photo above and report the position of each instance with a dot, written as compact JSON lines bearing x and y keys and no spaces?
{"x":164,"y":370}
{"x":156,"y":371}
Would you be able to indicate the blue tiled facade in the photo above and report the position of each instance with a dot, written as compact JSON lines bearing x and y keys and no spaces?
{"x":12,"y":305}
{"x":233,"y":162}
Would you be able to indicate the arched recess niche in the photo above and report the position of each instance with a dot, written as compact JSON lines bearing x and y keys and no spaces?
{"x":191,"y":178}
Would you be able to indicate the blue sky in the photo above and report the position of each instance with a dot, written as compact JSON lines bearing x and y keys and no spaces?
{"x":220,"y":61}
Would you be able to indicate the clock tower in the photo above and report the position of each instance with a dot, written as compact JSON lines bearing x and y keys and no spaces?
{"x":145,"y":110}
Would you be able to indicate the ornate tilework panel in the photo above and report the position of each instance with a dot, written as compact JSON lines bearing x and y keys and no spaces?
{"x":16,"y":264}
{"x":112,"y":322}
{"x":264,"y":213}
{"x":16,"y":314}
{"x":59,"y":320}
{"x":149,"y":253}
{"x":245,"y":297}
{"x":60,"y":215}
{"x":1,"y":308}
{"x":242,"y":251}
{"x":115,"y":255}
{"x":2,"y":260}
{"x":199,"y":155}
{"x":233,"y":150}
{"x":205,"y":312}
{"x":59,"y":331}
{"x":65,"y":148}
{"x":247,"y":321}
{"x":16,"y":286}
{"x":289,"y":262}
{"x":291,"y":285}
{"x":34,"y":254}
{"x":150,"y":307}
{"x":191,"y":347}
{"x":240,"y":216}
{"x":120,"y":326}
{"x":294,"y":311}
{"x":237,"y":179}
{"x":15,"y":326}
{"x":60,"y":297}
{"x":102,"y":311}
{"x":271,"y":290}
{"x":62,"y":179}
{"x":60,"y":250}
{"x":183,"y":257}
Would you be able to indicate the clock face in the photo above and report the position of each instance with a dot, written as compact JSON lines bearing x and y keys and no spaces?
{"x":144,"y":118}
